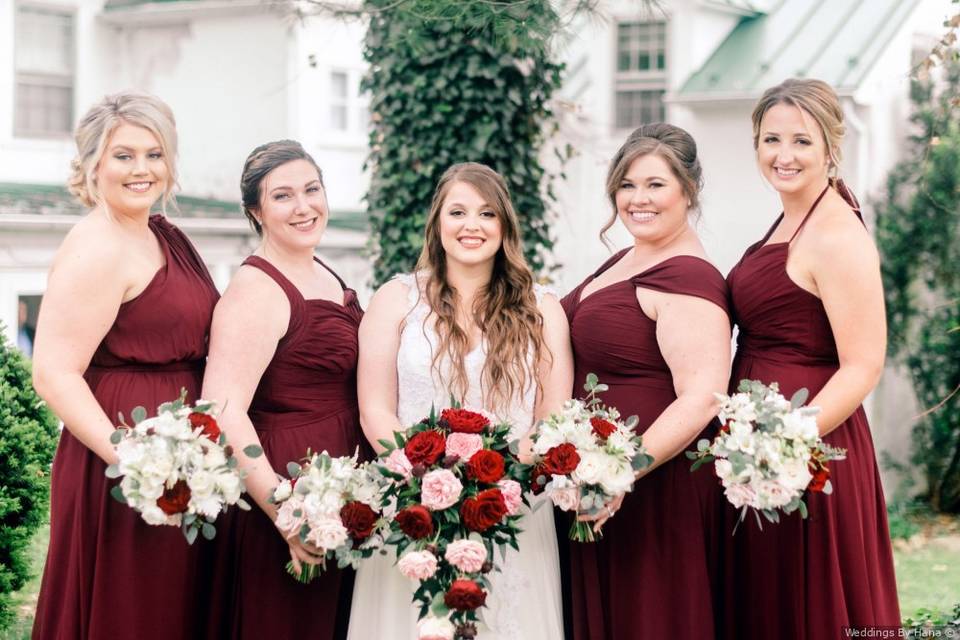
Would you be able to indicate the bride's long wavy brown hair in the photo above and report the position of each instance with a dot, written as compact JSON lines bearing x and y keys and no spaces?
{"x":505,"y":310}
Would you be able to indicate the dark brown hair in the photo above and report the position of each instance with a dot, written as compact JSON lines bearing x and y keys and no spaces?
{"x":261,"y":162}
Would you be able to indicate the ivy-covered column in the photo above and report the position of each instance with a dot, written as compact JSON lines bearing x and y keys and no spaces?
{"x":453,"y":82}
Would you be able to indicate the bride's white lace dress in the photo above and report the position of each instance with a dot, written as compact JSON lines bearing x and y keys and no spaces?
{"x":524,"y":603}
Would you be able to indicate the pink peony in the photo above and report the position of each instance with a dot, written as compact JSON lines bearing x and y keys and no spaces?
{"x":398,"y":463}
{"x":466,"y":555}
{"x":464,"y":445}
{"x":440,"y":489}
{"x":418,"y":565}
{"x":512,"y":495}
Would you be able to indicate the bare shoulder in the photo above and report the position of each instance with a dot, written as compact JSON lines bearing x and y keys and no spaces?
{"x":92,"y":250}
{"x":550,"y":306}
{"x":390,"y":300}
{"x":252,"y":291}
{"x":837,"y":236}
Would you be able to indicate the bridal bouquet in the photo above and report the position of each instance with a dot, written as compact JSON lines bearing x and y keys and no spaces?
{"x":333,"y":504}
{"x":586,"y":456}
{"x":768,"y":452}
{"x":458,"y":490}
{"x":177,"y":468}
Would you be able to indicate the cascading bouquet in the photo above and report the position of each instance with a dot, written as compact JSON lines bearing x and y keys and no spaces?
{"x":333,"y":504}
{"x":177,"y":468}
{"x":457,"y":488}
{"x":768,"y":451}
{"x":586,"y":456}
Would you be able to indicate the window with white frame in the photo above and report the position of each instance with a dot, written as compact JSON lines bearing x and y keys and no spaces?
{"x":44,"y":71}
{"x":641,"y":74}
{"x":348,"y":110}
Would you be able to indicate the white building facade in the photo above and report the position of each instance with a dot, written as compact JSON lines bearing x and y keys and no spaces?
{"x":242,"y":72}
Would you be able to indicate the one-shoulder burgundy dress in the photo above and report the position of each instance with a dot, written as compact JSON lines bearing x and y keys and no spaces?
{"x":652,"y":573}
{"x":804,"y":579}
{"x":108,"y":573}
{"x":307,"y":399}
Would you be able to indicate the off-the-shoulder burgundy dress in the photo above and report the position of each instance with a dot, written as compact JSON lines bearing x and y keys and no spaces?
{"x":653,"y":573}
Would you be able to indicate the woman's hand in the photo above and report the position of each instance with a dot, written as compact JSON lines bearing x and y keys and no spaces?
{"x":301,"y":552}
{"x":605,"y":513}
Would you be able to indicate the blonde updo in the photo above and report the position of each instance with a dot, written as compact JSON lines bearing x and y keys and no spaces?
{"x":814,"y":97}
{"x":94,"y":131}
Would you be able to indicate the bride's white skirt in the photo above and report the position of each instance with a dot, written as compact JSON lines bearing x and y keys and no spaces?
{"x":524,"y":603}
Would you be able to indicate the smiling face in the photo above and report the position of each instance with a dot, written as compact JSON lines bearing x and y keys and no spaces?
{"x":650,"y":201}
{"x":132,"y":173}
{"x":293,"y":206}
{"x":791,"y":150}
{"x":470,"y":230}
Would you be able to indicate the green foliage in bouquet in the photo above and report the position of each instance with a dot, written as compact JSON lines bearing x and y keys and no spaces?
{"x":453,"y":82}
{"x":439,"y":527}
{"x":918,"y":234}
{"x":28,"y":439}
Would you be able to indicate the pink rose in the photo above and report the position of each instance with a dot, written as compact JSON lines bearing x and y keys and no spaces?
{"x":740,"y":495}
{"x":512,"y":495}
{"x":566,"y":499}
{"x":418,"y":565}
{"x":398,"y":463}
{"x":286,"y":521}
{"x":464,"y":445}
{"x":440,"y":489}
{"x":466,"y":555}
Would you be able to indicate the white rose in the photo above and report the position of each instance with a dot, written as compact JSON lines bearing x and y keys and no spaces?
{"x":741,"y":495}
{"x":772,"y":494}
{"x":795,"y":474}
{"x":565,"y":499}
{"x":723,"y":468}
{"x":202,"y":484}
{"x":154,"y":515}
{"x":327,"y":533}
{"x":229,"y":485}
{"x":283,"y":491}
{"x":209,"y":506}
{"x":591,"y":468}
{"x":617,"y":478}
{"x":431,"y":628}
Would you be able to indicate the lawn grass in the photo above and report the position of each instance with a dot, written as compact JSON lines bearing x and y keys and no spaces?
{"x":25,"y":600}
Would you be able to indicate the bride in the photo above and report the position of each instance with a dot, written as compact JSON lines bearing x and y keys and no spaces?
{"x":469,"y":322}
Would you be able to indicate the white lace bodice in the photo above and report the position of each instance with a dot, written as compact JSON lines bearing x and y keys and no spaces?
{"x":417,"y":385}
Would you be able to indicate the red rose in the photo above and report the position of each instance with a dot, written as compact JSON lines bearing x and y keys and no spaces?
{"x":463,"y":421}
{"x":175,"y":499}
{"x":359,"y":519}
{"x":425,"y":448}
{"x":820,"y":477}
{"x":603,"y":428}
{"x":415,"y":521}
{"x":207,"y":422}
{"x":538,"y":472}
{"x":485,"y":466}
{"x":464,"y":595}
{"x":561,"y":459}
{"x":483,"y":511}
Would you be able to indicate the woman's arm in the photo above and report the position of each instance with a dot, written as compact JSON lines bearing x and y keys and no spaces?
{"x":694,"y":338}
{"x":846,"y":269}
{"x":377,"y":367}
{"x":556,"y":367}
{"x":248,"y":322}
{"x":85,"y":289}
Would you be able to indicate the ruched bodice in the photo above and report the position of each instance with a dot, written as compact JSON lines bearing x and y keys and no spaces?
{"x":313,"y":372}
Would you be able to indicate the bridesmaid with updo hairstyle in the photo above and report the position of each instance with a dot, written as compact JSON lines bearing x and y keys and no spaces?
{"x":808,"y":301}
{"x":652,"y":323}
{"x":283,"y":359}
{"x":124,"y":323}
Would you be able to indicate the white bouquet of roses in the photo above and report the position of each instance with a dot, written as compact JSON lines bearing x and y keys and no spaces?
{"x":177,"y":468}
{"x":586,"y":456}
{"x":334,"y":505}
{"x":768,"y":451}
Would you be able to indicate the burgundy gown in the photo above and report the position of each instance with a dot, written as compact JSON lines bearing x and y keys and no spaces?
{"x":804,"y":579}
{"x":108,"y":573}
{"x":651,"y":574}
{"x":307,"y":399}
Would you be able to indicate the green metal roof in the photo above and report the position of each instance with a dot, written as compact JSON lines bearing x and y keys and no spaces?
{"x":744,"y":6}
{"x":56,"y":200}
{"x":834,"y":40}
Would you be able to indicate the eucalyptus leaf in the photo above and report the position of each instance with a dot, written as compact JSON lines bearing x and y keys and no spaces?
{"x":208,"y":531}
{"x":799,"y":398}
{"x":139,"y":414}
{"x":113,"y":471}
{"x":293,"y":469}
{"x":116,"y":437}
{"x":117,"y":493}
{"x":252,"y":451}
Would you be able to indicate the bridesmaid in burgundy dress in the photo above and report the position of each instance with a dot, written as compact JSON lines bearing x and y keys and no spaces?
{"x":124,"y":322}
{"x":808,"y":302}
{"x":283,"y":359}
{"x":652,"y":323}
